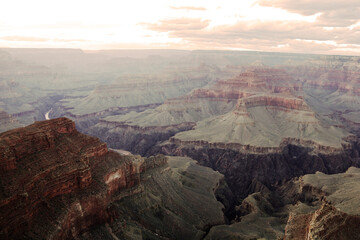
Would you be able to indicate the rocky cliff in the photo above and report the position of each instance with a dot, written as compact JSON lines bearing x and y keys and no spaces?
{"x":241,"y":167}
{"x":314,"y":206}
{"x":56,"y":182}
{"x":337,"y":207}
{"x":325,"y":223}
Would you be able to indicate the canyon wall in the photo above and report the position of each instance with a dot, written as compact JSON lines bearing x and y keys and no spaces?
{"x":52,"y":173}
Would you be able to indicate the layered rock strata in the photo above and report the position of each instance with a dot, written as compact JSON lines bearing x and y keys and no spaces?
{"x":270,"y":168}
{"x":57,"y":182}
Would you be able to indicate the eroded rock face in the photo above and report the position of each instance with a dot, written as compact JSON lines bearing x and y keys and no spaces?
{"x":325,"y":223}
{"x":241,"y":168}
{"x":336,"y":199}
{"x":56,"y":182}
{"x":315,"y":206}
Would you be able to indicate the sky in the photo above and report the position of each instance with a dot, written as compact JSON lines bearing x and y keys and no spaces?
{"x":301,"y":26}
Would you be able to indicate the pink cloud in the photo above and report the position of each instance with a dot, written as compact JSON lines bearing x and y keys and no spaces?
{"x":188,"y":8}
{"x":333,"y":13}
{"x":178,"y":24}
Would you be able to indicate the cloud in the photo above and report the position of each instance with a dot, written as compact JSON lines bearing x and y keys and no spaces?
{"x":267,"y":30}
{"x":188,"y":8}
{"x":178,"y":24}
{"x":331,"y":12}
{"x":310,"y":7}
{"x":292,"y":36}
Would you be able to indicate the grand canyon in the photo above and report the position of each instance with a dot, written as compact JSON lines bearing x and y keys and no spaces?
{"x":172,"y":144}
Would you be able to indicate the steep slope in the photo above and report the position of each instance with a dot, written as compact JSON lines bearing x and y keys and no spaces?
{"x":338,"y":215}
{"x":56,"y":182}
{"x":177,"y":202}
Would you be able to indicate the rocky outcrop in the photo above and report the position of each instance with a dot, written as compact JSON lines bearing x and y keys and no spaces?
{"x":337,"y":207}
{"x":56,"y":182}
{"x":284,"y":102}
{"x":325,"y":223}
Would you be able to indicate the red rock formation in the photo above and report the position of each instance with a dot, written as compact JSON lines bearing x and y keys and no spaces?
{"x":52,"y":175}
{"x":276,"y":101}
{"x":325,"y":223}
{"x":233,"y":93}
{"x":249,"y":83}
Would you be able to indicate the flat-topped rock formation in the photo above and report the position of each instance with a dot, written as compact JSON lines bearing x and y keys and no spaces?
{"x":266,"y":121}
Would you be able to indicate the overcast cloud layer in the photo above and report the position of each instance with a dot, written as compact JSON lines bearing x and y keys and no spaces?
{"x":330,"y":27}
